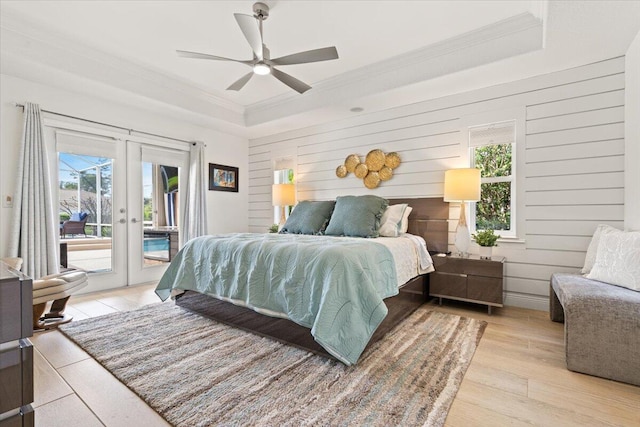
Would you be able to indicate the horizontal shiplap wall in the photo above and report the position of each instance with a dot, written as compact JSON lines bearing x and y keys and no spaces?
{"x":573,"y":166}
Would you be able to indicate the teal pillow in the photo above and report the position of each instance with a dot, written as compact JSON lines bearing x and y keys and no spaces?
{"x":309,"y":218}
{"x":357,"y":216}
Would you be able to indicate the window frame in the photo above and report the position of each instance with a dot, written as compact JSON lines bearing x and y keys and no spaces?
{"x":516,"y":113}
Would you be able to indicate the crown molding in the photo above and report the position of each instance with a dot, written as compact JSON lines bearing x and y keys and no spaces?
{"x":21,"y":38}
{"x":22,"y":69}
{"x":510,"y":37}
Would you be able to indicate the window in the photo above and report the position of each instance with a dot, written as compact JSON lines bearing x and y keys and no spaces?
{"x":282,"y":174}
{"x":493,"y":152}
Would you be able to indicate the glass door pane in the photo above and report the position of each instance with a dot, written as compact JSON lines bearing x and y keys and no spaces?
{"x":85,"y":208}
{"x":160,"y":185}
{"x":92,"y":206}
{"x":157,"y":182}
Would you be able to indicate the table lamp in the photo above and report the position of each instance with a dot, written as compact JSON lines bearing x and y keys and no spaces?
{"x":462,"y":185}
{"x":283,"y":195}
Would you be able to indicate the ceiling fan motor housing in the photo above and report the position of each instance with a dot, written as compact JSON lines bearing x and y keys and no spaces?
{"x":261,"y":10}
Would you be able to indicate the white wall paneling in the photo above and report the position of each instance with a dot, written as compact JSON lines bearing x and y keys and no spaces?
{"x":632,"y":136}
{"x":573,"y":168}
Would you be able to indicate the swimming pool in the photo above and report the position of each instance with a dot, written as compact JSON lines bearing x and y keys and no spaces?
{"x":156,"y":244}
{"x":156,"y":248}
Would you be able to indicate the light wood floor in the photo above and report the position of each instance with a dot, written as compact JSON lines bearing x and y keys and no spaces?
{"x":517,"y":376}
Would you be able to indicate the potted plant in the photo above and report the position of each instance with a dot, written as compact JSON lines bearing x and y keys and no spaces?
{"x":486,"y":239}
{"x":274,"y":228}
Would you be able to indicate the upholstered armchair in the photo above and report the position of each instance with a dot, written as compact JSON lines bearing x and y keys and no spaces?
{"x":75,"y":224}
{"x":56,"y":288}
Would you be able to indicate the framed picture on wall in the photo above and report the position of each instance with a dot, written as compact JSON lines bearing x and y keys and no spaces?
{"x":223,"y":178}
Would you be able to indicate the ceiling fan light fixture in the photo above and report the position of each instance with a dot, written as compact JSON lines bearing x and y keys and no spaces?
{"x":261,"y":69}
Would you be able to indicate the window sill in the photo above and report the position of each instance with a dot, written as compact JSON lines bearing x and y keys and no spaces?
{"x":511,"y":241}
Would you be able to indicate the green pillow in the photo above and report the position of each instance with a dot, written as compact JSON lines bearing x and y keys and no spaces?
{"x":309,"y":218}
{"x":357,"y":216}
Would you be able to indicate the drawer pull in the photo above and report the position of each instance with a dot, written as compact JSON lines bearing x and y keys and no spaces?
{"x":451,"y":274}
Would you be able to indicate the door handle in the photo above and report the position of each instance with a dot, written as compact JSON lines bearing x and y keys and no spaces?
{"x":122,"y":221}
{"x":133,"y":220}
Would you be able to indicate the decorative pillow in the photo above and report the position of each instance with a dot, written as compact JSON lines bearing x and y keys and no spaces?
{"x":309,"y":217}
{"x":404,"y":227}
{"x":590,"y":258}
{"x":357,"y":216}
{"x":391,"y":221}
{"x":78,"y":216}
{"x":618,"y":260}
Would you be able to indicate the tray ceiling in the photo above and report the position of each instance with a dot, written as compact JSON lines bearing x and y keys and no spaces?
{"x":383,"y":45}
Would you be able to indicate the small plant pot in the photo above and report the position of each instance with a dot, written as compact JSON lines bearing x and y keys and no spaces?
{"x":486,"y":251}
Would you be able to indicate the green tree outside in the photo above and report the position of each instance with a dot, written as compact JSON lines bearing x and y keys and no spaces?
{"x":493,"y":211}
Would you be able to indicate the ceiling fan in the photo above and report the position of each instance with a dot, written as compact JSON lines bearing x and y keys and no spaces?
{"x":262,"y":64}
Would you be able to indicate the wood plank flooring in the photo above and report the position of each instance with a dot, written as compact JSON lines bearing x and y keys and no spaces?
{"x":517,"y":377}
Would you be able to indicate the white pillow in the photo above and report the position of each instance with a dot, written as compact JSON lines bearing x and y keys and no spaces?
{"x":590,"y":258}
{"x":391,"y":220}
{"x":618,"y":260}
{"x":405,"y":220}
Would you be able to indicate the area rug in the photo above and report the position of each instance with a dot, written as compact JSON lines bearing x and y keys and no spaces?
{"x":197,"y":372}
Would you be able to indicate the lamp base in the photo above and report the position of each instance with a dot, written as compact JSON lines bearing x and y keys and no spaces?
{"x":463,"y":240}
{"x":283,"y":218}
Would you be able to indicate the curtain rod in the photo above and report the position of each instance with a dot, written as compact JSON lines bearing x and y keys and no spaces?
{"x":110,"y":125}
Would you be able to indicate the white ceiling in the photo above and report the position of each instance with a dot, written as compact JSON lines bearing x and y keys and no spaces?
{"x":145,"y":34}
{"x":365,"y":32}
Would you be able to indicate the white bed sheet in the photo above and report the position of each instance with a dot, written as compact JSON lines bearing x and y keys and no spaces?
{"x":410,"y":255}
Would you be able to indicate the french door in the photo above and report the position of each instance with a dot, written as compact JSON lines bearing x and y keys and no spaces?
{"x":157,"y":177}
{"x":119,"y":205}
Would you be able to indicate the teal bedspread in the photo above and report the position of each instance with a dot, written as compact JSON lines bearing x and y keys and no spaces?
{"x":333,"y":285}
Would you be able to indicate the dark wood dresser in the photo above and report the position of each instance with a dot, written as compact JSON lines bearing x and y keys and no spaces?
{"x":16,"y":351}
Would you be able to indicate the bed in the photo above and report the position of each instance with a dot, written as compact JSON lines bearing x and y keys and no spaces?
{"x":346,"y":291}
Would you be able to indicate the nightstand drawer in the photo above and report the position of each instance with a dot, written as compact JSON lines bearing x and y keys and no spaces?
{"x":16,"y":376}
{"x":24,"y":417}
{"x":448,"y":284}
{"x":468,"y":266}
{"x":486,"y":289}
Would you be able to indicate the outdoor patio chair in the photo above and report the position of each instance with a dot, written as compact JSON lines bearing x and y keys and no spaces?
{"x":75,"y":224}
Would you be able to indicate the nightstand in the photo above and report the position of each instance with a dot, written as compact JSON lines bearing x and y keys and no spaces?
{"x":471,"y":279}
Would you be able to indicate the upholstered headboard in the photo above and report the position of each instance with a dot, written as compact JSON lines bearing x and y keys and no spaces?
{"x":429,"y":219}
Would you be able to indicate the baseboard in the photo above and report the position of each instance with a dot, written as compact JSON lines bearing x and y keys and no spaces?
{"x":534,"y":302}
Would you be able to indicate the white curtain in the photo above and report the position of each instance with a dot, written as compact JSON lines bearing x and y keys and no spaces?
{"x":195,"y":219}
{"x":34,"y":230}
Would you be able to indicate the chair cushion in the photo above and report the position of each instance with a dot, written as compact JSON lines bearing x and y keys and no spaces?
{"x":56,"y":286}
{"x":14,"y":262}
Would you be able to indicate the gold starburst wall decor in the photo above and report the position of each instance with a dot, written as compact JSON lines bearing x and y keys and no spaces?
{"x":376,"y":167}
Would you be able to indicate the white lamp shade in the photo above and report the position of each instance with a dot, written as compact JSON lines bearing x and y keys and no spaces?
{"x":283,"y":194}
{"x":462,"y":185}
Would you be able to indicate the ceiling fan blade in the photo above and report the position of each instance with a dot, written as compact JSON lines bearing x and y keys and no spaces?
{"x":249,"y":27}
{"x":187,"y":54}
{"x":290,"y":81}
{"x":315,"y":55}
{"x":239,"y":84}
